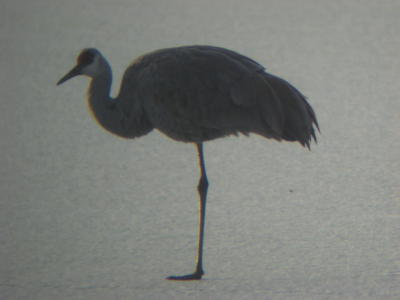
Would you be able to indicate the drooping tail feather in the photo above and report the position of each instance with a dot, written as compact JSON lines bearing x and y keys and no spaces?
{"x":299,"y":117}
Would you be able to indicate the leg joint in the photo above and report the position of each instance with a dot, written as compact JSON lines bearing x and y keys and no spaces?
{"x":203,"y":184}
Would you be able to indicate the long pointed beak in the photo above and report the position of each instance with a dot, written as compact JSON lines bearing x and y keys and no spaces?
{"x":74,"y":72}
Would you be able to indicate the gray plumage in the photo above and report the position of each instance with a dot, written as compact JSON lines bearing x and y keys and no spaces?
{"x":196,"y":94}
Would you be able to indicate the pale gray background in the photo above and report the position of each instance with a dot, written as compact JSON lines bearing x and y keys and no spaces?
{"x":86,"y":215}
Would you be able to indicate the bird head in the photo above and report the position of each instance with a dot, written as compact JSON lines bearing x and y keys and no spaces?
{"x":89,"y":63}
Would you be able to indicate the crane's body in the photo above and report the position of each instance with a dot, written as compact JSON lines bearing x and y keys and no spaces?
{"x":196,"y":94}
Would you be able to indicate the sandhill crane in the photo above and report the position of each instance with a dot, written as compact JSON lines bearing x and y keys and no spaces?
{"x":196,"y":94}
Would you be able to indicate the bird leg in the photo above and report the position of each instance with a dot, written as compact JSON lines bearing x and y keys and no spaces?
{"x":202,"y":189}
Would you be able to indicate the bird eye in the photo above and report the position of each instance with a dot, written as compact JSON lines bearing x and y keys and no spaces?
{"x":86,"y":57}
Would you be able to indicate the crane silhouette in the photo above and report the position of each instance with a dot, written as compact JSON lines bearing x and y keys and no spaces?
{"x":196,"y":94}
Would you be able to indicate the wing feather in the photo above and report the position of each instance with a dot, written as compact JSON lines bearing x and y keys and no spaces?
{"x":197,"y":93}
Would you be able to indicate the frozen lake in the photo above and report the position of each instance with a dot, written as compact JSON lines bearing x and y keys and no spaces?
{"x":86,"y":215}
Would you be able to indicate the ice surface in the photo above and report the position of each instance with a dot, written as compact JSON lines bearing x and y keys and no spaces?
{"x":86,"y":215}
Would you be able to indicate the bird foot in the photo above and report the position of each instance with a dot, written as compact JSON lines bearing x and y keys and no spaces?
{"x":195,"y":276}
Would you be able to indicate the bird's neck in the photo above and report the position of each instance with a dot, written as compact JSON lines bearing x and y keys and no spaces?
{"x":103,"y":107}
{"x":99,"y":95}
{"x":110,"y":113}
